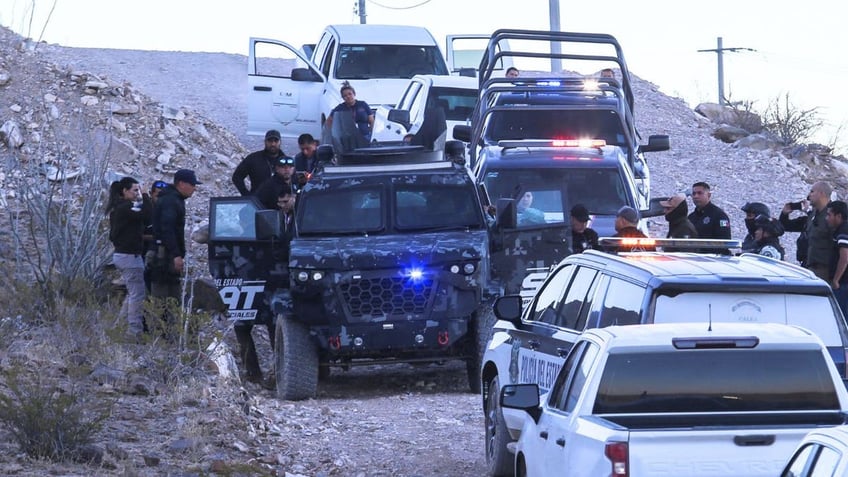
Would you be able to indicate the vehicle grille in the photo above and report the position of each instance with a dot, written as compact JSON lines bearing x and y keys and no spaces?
{"x":369,"y":298}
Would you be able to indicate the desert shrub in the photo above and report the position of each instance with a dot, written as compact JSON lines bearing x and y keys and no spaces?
{"x":46,"y":422}
{"x":790,"y":123}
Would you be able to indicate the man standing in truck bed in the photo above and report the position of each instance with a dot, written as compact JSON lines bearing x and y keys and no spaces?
{"x":258,"y":166}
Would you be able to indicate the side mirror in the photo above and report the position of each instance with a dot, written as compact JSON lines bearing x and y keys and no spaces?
{"x":508,"y":308}
{"x":269,"y":224}
{"x":524,"y":397}
{"x":656,"y":142}
{"x":462,"y":132}
{"x":305,"y":74}
{"x":400,"y":116}
{"x":655,"y":209}
{"x":507,"y":215}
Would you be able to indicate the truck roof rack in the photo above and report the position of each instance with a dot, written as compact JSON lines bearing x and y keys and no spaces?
{"x":566,"y":39}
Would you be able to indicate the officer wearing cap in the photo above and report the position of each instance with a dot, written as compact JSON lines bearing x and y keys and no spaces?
{"x":582,"y":237}
{"x":283,"y":179}
{"x":258,"y":166}
{"x":752,"y":210}
{"x":169,"y":233}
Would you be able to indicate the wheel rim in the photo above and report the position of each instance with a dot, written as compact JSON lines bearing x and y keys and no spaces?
{"x":491,"y":419}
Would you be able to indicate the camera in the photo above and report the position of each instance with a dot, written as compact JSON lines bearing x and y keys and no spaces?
{"x":795,"y":205}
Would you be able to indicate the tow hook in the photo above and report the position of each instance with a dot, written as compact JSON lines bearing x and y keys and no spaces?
{"x":443,"y":338}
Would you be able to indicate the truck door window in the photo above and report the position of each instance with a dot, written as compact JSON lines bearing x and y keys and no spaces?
{"x":409,"y":96}
{"x":327,"y":58}
{"x":622,"y":303}
{"x":558,"y":390}
{"x":275,"y":60}
{"x":575,"y":298}
{"x":826,"y":463}
{"x":235,"y":220}
{"x":578,"y":379}
{"x":801,"y":461}
{"x":549,"y":297}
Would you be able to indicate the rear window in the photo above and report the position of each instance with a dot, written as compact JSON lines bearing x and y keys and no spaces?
{"x":728,"y":380}
{"x":814,"y":313}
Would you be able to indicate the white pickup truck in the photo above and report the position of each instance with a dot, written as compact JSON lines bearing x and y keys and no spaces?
{"x":692,"y":399}
{"x":294,"y":93}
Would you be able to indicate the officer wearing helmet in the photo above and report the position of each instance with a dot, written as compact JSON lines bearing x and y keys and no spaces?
{"x":766,"y":237}
{"x":752,"y":210}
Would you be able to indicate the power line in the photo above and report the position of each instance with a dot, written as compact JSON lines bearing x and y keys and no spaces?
{"x":719,"y":50}
{"x":424,"y":2}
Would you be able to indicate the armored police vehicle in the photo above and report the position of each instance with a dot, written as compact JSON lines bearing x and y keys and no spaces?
{"x":548,"y":140}
{"x":387,"y":265}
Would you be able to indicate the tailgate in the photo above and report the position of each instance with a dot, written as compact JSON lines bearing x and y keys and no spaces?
{"x":751,"y":452}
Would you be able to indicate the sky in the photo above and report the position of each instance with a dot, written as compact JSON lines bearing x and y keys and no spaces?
{"x":797,"y":46}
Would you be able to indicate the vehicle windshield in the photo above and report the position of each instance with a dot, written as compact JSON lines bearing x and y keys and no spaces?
{"x":388,"y":61}
{"x":457,"y":103}
{"x":436,"y":207}
{"x":728,"y":380}
{"x":364,"y":209}
{"x":516,"y":124}
{"x":601,"y":190}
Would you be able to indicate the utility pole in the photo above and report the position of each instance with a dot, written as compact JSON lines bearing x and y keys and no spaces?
{"x":556,"y":47}
{"x":362,"y":11}
{"x":719,"y":50}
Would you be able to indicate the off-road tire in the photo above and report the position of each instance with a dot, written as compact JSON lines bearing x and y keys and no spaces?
{"x":295,"y":360}
{"x":480,"y":333}
{"x":499,"y":461}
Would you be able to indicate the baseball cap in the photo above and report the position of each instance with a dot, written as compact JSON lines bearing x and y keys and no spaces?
{"x":159,"y":185}
{"x":285,"y":161}
{"x":272,"y":134}
{"x":673,"y":201}
{"x":629,"y":214}
{"x":186,"y":175}
{"x":580,"y":213}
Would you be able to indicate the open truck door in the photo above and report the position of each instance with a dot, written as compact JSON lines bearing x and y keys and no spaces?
{"x":284,"y":90}
{"x":463,"y":53}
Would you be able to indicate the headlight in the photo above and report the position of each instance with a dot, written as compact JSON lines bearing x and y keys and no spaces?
{"x":454,"y":269}
{"x":316,"y":276}
{"x":302,"y":276}
{"x":468,"y":268}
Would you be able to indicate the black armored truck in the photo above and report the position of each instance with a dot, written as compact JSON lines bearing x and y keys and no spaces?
{"x":388,"y":264}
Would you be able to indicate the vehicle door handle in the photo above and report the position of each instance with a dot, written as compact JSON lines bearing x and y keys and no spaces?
{"x":533,"y":344}
{"x":261,"y":88}
{"x":561,"y":442}
{"x":562,"y":352}
{"x":754,"y":440}
{"x":544,"y":435}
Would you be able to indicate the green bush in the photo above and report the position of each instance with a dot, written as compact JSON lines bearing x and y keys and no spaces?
{"x":46,"y":422}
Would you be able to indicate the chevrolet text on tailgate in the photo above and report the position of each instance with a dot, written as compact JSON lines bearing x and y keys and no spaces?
{"x":695,"y":399}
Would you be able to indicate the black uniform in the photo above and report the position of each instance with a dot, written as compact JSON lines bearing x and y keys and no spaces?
{"x":258,"y":167}
{"x":271,"y":190}
{"x":586,"y":240}
{"x":169,"y":233}
{"x":711,"y":223}
{"x":814,"y":229}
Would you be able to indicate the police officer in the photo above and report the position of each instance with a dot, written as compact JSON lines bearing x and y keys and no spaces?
{"x":766,"y":237}
{"x":752,"y":210}
{"x":814,"y":225}
{"x":258,"y":166}
{"x":582,"y":237}
{"x":709,"y":220}
{"x":283,"y":180}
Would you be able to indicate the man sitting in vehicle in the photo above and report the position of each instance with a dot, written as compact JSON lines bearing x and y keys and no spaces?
{"x":528,"y":215}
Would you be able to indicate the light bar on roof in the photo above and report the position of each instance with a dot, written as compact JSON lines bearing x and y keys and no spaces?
{"x":573,"y":143}
{"x":679,"y":244}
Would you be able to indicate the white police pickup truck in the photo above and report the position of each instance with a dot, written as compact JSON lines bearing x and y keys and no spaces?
{"x":694,"y":399}
{"x":294,"y":93}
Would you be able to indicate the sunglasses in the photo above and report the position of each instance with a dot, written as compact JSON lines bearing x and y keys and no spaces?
{"x":286,"y":162}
